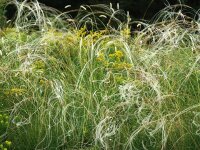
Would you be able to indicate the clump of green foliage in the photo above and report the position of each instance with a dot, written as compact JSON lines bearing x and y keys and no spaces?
{"x":3,"y":4}
{"x":69,"y":84}
{"x":4,"y":124}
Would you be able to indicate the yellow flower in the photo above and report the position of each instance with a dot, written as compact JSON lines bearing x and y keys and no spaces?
{"x":100,"y":57}
{"x":106,"y":63}
{"x":42,"y":81}
{"x":17,"y":91}
{"x":126,"y":32}
{"x":12,"y":91}
{"x":82,"y":32}
{"x":119,"y":54}
{"x":39,"y":64}
{"x":122,"y":65}
{"x":112,"y":55}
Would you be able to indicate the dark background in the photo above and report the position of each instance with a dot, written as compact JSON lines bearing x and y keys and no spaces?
{"x":139,"y":9}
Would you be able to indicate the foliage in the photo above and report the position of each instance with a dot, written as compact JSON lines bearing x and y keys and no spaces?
{"x":65,"y":83}
{"x":3,"y":19}
{"x":4,"y":124}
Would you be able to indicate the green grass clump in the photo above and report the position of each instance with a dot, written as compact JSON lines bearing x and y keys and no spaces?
{"x":87,"y":83}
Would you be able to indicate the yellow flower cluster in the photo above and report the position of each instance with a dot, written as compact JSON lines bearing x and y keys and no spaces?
{"x":16,"y":91}
{"x":100,"y":57}
{"x":114,"y":60}
{"x":118,"y":55}
{"x":81,"y":32}
{"x":39,"y":64}
{"x":126,"y":32}
{"x":95,"y":35}
{"x":122,"y":65}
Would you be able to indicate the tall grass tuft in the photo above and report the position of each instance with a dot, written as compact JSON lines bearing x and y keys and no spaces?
{"x":90,"y":82}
